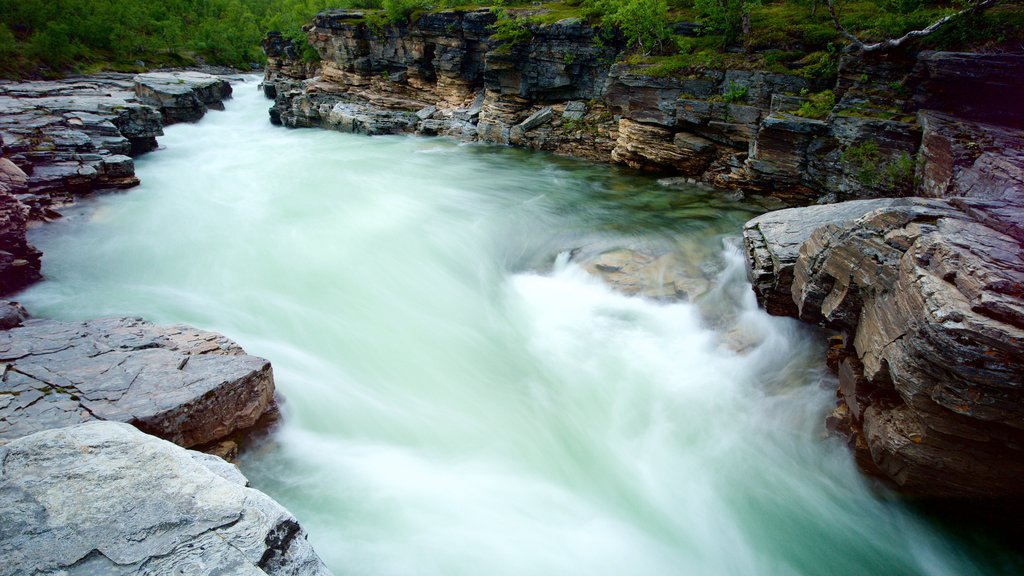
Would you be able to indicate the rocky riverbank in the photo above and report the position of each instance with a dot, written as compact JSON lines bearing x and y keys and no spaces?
{"x":925,"y":294}
{"x":61,"y":139}
{"x":69,"y":390}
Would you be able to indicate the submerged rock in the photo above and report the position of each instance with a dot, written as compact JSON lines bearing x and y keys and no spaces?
{"x":104,"y":498}
{"x":182,"y":384}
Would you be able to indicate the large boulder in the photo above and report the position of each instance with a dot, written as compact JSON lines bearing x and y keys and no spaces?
{"x":104,"y":498}
{"x":182,"y":384}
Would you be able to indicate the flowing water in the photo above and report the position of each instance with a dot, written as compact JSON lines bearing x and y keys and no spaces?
{"x":462,"y":399}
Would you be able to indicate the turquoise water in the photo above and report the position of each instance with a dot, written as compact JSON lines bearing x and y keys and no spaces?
{"x":462,"y":399}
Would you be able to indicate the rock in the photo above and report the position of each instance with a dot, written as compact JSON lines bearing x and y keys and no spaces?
{"x":185,"y":385}
{"x":635,"y":273}
{"x":12,"y":314}
{"x":182,"y":96}
{"x":651,"y":147}
{"x":536,"y":119}
{"x":978,"y":166}
{"x":772,"y":244}
{"x":74,"y":136}
{"x":980,"y":87}
{"x":932,"y":302}
{"x":104,"y":498}
{"x":574,"y":110}
{"x":19,"y":260}
{"x":426,"y":113}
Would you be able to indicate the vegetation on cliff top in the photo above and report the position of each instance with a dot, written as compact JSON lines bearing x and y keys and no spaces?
{"x":51,"y":37}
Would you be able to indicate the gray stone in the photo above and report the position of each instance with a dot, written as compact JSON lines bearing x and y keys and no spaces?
{"x":536,"y":119}
{"x":104,"y":498}
{"x":185,"y":385}
{"x":182,"y":96}
{"x":574,"y":110}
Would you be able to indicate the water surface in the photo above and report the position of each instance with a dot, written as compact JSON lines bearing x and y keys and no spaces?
{"x":461,"y":399}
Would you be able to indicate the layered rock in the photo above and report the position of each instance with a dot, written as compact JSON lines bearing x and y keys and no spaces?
{"x":104,"y":498}
{"x":182,"y":384}
{"x":929,"y":301}
{"x":19,"y":260}
{"x":182,"y":96}
{"x":77,"y":135}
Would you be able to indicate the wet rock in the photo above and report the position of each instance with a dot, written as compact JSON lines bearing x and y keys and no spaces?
{"x":185,"y":385}
{"x":773,"y":241}
{"x":104,"y":498}
{"x":931,"y":299}
{"x":635,"y":273}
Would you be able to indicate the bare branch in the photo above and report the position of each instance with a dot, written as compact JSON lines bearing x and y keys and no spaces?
{"x":977,"y":6}
{"x":842,"y":30}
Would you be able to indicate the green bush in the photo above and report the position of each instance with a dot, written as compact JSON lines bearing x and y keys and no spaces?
{"x":509,"y":29}
{"x":735,"y":94}
{"x":644,"y":23}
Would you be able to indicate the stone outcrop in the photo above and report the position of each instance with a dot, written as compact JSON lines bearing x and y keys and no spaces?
{"x":182,"y":96}
{"x":60,"y":139}
{"x":929,"y":303}
{"x":103,"y":498}
{"x":182,"y":384}
{"x":19,"y":260}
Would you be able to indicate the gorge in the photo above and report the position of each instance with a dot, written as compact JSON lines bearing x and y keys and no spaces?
{"x":495,"y":360}
{"x":459,"y":398}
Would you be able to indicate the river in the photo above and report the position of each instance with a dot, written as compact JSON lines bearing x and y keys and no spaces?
{"x":462,"y":400}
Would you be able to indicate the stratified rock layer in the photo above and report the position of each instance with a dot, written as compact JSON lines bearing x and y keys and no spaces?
{"x":930,"y":302}
{"x":182,"y":384}
{"x":104,"y":498}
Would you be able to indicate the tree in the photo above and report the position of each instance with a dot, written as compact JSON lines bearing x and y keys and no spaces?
{"x":643,"y":22}
{"x":731,"y":18}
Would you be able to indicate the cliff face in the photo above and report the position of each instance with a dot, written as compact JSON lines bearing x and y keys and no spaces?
{"x":918,"y":270}
{"x":561,"y":91}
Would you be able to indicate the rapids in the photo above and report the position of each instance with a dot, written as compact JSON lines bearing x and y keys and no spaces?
{"x":462,"y":399}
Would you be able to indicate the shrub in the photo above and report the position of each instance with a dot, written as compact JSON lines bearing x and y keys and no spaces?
{"x":817,"y":105}
{"x":509,"y":29}
{"x":736,"y":94}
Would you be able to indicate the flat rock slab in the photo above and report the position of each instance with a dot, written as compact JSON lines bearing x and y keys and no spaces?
{"x":182,"y":384}
{"x":182,"y":96}
{"x":104,"y":498}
